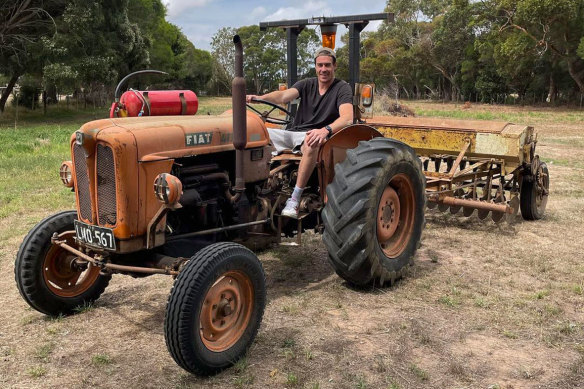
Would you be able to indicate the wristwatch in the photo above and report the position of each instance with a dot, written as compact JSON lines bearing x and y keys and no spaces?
{"x":330,"y":131}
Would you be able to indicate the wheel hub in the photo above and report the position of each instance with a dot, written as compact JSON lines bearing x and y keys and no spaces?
{"x":226,"y":311}
{"x":63,"y":275}
{"x":388,"y":212}
{"x":395,"y":215}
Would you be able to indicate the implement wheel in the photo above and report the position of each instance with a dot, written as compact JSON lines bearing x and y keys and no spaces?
{"x":535,"y":191}
{"x":48,"y":277}
{"x":375,"y":212}
{"x":215,"y":308}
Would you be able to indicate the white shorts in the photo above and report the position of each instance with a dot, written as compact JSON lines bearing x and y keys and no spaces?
{"x":286,"y":140}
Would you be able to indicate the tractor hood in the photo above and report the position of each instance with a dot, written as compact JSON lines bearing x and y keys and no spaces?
{"x":169,"y":137}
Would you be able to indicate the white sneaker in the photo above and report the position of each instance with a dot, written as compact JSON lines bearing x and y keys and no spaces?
{"x":291,"y":209}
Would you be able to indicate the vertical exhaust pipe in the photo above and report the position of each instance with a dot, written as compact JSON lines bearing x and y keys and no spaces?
{"x":239,"y":115}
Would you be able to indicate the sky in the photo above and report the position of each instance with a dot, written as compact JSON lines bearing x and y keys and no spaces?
{"x":201,"y":19}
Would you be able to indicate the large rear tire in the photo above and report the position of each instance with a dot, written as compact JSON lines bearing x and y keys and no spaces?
{"x":374,"y":214}
{"x":215,"y":308}
{"x":48,"y":277}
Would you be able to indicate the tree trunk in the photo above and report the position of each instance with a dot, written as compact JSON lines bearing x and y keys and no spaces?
{"x":8,"y":90}
{"x":551,"y":98}
{"x":578,"y":77}
{"x":52,"y":94}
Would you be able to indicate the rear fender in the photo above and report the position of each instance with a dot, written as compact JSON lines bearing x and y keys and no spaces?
{"x":335,"y":151}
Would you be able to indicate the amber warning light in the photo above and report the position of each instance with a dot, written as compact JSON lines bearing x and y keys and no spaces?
{"x":367,"y":95}
{"x":329,"y":33}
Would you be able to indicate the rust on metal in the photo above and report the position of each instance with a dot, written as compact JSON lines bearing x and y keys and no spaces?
{"x":395,"y":215}
{"x":453,"y":201}
{"x":459,"y":159}
{"x":335,"y":150}
{"x":63,"y":275}
{"x":98,"y":263}
{"x":226,"y":310}
{"x":468,"y":164}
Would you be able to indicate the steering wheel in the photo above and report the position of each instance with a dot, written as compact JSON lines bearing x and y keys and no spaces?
{"x":266,"y":114}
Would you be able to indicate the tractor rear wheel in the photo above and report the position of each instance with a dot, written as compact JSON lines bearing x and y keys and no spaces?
{"x":375,"y":212}
{"x":48,"y":277}
{"x":535,"y":191}
{"x":215,"y":308}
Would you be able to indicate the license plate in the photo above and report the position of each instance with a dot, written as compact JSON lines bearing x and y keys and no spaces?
{"x":95,"y":236}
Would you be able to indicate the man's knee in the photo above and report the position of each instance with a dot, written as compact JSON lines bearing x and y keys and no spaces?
{"x":308,"y":150}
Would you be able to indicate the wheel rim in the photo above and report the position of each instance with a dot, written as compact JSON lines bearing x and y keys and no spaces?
{"x":395,"y":215}
{"x":63,"y":276}
{"x":226,"y":311}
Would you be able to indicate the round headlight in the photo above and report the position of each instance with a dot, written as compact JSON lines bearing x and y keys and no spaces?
{"x":168,"y":188}
{"x":66,"y":173}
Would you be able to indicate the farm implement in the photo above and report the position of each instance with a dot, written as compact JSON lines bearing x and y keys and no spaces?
{"x":490,"y":167}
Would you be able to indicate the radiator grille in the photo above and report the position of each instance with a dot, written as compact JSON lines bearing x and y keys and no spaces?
{"x":106,"y":186}
{"x":82,"y":180}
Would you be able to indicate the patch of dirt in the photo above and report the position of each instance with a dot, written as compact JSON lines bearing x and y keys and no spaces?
{"x":485,"y":305}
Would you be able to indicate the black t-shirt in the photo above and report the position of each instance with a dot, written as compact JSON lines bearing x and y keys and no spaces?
{"x":316,"y":111}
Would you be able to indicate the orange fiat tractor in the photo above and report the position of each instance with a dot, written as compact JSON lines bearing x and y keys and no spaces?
{"x":184,"y":196}
{"x":188,"y":196}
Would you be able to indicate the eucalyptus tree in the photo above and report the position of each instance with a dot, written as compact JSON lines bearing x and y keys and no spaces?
{"x":554,"y":27}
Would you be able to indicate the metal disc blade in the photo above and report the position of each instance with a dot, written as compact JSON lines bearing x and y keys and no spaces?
{"x":443,"y":207}
{"x":431,"y":204}
{"x":514,"y":204}
{"x":454,"y":209}
{"x":498,"y":216}
{"x":483,"y":213}
{"x":467,"y":211}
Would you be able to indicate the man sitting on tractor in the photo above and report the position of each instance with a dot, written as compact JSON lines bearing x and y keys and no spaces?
{"x":325,"y":108}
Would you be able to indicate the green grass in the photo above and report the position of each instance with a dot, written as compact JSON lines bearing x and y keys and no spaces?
{"x":44,"y":351}
{"x":101,"y":360}
{"x":29,"y":168}
{"x":291,"y":379}
{"x":514,"y":117}
{"x":540,"y":295}
{"x":449,"y":301}
{"x":84,"y":308}
{"x":36,"y":371}
{"x":420,"y":373}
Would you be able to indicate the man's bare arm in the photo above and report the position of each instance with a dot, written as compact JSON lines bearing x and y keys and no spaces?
{"x":345,"y":117}
{"x":276,"y":97}
{"x":318,"y":136}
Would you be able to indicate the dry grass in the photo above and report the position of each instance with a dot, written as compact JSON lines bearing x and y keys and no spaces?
{"x":485,"y":305}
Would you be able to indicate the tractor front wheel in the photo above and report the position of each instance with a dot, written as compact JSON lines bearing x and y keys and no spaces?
{"x":215,"y":308}
{"x":49,"y":278}
{"x":375,"y":212}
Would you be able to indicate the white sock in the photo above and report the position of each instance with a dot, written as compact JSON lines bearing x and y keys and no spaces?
{"x":297,"y":194}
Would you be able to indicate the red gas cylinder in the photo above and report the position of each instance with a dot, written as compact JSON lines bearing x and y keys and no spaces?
{"x":156,"y":103}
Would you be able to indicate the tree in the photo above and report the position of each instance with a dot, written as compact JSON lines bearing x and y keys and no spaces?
{"x":22,"y":24}
{"x":449,"y":42}
{"x":264,"y":55}
{"x":553,"y":26}
{"x":95,"y":57}
{"x":223,"y":51}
